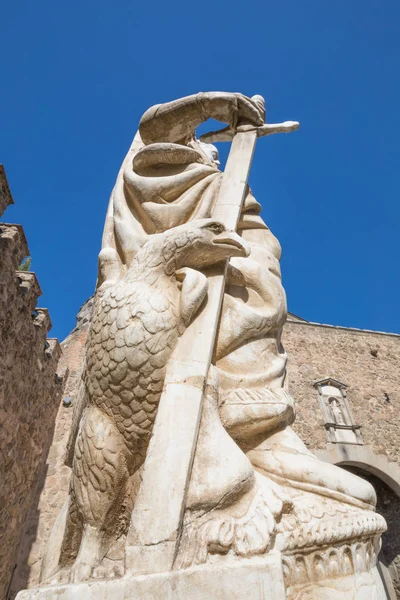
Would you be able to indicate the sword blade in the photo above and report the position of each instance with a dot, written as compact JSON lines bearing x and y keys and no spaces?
{"x":159,"y":507}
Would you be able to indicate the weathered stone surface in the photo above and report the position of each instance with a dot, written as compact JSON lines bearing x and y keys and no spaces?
{"x":388,"y":505}
{"x":315,"y":352}
{"x":124,"y":371}
{"x":253,"y":580}
{"x":53,"y":481}
{"x":366,"y":361}
{"x":224,"y":477}
{"x":181,"y":404}
{"x":29,"y":389}
{"x":5,"y":194}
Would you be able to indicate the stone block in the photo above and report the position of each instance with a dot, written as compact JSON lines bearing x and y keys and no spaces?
{"x":260,"y":579}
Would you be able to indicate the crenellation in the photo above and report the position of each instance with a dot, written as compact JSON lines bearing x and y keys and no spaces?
{"x":55,"y":349}
{"x":29,"y":288}
{"x":42,"y":319}
{"x":13,"y":245}
{"x":5,"y":195}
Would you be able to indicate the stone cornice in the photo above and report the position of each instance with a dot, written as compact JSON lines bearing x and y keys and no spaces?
{"x":341,"y":328}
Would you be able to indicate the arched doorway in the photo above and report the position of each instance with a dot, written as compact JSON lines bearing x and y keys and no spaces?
{"x":388,"y":505}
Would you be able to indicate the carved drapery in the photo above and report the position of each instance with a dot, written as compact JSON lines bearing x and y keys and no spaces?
{"x":254,"y":486}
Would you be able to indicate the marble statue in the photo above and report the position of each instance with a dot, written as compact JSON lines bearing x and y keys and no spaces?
{"x":183,"y":459}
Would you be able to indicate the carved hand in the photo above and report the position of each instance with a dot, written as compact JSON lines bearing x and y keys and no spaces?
{"x":175,"y":121}
{"x":232,"y":108}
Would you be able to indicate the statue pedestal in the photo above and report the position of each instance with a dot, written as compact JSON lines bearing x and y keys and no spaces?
{"x":255,"y":579}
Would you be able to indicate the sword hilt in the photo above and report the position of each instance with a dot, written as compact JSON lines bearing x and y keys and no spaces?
{"x":227,"y":133}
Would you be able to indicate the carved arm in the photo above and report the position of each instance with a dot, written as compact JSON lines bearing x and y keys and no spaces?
{"x":177,"y":120}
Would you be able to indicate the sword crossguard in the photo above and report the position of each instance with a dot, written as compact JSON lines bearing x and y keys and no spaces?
{"x":227,"y":133}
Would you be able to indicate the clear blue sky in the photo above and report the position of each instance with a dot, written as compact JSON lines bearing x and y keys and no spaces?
{"x":76,"y":77}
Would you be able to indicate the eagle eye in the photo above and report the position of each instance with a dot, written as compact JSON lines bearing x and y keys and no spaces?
{"x":216,"y":228}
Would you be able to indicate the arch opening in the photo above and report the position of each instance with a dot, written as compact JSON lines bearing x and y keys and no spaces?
{"x":388,"y":505}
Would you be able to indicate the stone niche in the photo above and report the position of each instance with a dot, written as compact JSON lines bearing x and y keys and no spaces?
{"x":338,"y":419}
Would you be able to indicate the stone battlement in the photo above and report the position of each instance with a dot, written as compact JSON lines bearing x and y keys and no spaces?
{"x":13,"y":244}
{"x":5,"y":195}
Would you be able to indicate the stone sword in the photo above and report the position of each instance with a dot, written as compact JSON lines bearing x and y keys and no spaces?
{"x":156,"y":522}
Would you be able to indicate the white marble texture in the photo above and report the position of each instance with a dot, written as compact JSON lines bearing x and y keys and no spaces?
{"x":259,"y":579}
{"x":187,"y":480}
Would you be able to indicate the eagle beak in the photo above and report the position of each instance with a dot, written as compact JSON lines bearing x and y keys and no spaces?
{"x":234,"y":242}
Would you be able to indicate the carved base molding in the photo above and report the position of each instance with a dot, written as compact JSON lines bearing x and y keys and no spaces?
{"x":257,"y":579}
{"x":317,"y":521}
{"x":341,"y":572}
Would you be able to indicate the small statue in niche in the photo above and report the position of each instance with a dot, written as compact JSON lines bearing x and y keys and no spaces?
{"x":337,"y":411}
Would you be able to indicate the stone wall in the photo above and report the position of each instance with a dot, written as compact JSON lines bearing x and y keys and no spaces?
{"x":366,"y":361}
{"x":30,"y":390}
{"x":52,"y":489}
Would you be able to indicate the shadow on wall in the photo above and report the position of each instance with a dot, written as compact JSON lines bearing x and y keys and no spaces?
{"x":20,"y":576}
{"x":53,"y":480}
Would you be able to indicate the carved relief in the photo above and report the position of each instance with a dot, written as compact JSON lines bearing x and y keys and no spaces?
{"x":137,"y":320}
{"x":342,"y":572}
